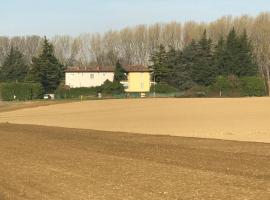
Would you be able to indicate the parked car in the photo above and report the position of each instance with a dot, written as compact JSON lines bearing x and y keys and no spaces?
{"x":48,"y":96}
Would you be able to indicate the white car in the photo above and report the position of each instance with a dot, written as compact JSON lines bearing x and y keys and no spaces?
{"x":48,"y":96}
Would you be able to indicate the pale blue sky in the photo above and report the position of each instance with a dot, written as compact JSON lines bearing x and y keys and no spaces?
{"x":72,"y":17}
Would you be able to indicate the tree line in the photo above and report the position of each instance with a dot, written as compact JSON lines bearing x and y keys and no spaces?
{"x":44,"y":69}
{"x":44,"y":75}
{"x":201,"y":62}
{"x":135,"y":45}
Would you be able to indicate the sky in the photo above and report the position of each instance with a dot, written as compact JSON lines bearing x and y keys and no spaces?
{"x":74,"y":17}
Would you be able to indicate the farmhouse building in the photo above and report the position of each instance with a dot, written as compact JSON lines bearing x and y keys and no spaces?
{"x":138,"y":77}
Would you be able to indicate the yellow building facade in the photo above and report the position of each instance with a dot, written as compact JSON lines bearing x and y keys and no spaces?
{"x":138,"y":82}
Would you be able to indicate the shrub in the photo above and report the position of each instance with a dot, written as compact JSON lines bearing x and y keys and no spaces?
{"x":222,"y":84}
{"x":163,"y":88}
{"x":21,"y":91}
{"x":74,"y":93}
{"x":109,"y":87}
{"x":252,"y":86}
{"x":197,"y":91}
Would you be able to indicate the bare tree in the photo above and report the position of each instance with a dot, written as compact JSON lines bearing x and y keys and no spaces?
{"x":261,"y":42}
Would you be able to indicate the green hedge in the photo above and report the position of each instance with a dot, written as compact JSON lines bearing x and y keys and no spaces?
{"x":75,"y":93}
{"x":163,"y":88}
{"x":252,"y":86}
{"x":222,"y":84}
{"x":236,"y":87}
{"x":21,"y":91}
{"x":113,"y":89}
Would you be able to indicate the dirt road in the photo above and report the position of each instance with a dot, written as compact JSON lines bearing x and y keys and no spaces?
{"x":244,"y":119}
{"x":56,"y":163}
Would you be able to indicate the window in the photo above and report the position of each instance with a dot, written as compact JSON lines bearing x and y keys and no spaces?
{"x":92,"y":76}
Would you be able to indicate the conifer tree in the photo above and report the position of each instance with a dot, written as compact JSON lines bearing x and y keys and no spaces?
{"x":205,"y":67}
{"x":231,"y":54}
{"x":160,"y":64}
{"x":46,"y":69}
{"x":248,"y":67}
{"x":219,"y":57}
{"x":14,"y":67}
{"x":189,"y":59}
{"x":171,"y":63}
{"x":238,"y":59}
{"x":198,"y":57}
{"x":182,"y":71}
{"x":119,"y":73}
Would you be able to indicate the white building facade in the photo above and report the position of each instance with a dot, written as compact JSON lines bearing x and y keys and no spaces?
{"x":78,"y":78}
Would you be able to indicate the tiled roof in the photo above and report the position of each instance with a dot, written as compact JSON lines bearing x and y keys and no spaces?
{"x":90,"y":69}
{"x":136,"y":68}
{"x":128,"y":68}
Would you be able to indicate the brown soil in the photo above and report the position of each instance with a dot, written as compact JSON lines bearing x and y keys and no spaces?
{"x":56,"y":163}
{"x":243,"y":119}
{"x":11,"y":106}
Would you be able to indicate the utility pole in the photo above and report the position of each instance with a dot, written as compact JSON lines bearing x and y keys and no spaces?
{"x":154,"y":86}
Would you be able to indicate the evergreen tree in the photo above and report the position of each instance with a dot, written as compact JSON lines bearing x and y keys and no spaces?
{"x":182,"y":71}
{"x":46,"y":69}
{"x":219,"y":57}
{"x":235,"y":56}
{"x":204,"y":71}
{"x":160,"y":64}
{"x":119,"y":73}
{"x":231,"y":54}
{"x":198,"y":57}
{"x":171,"y":63}
{"x":14,"y":67}
{"x":198,"y":63}
{"x":248,"y":67}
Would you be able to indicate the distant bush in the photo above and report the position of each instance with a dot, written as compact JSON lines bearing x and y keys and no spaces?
{"x":197,"y":91}
{"x":252,"y":86}
{"x":112,"y":88}
{"x":233,"y":86}
{"x":163,"y":88}
{"x":21,"y":91}
{"x":108,"y":88}
{"x":75,"y":93}
{"x":222,"y":84}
